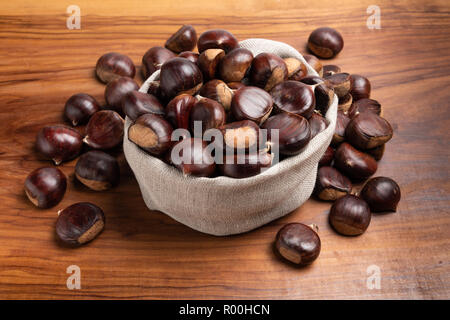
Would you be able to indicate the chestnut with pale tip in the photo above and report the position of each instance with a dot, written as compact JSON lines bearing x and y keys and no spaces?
{"x":234,"y":65}
{"x":368,"y":131}
{"x":340,"y":82}
{"x":80,"y":107}
{"x":267,"y":70}
{"x":345,"y":102}
{"x":350,"y":215}
{"x":331,"y":184}
{"x":314,"y":63}
{"x":97,"y":170}
{"x":217,"y":39}
{"x":185,"y":39}
{"x":104,"y":130}
{"x":296,"y":69}
{"x":219,"y":91}
{"x":45,"y":187}
{"x":179,"y":75}
{"x":240,"y":135}
{"x":251,"y":103}
{"x":381,"y":194}
{"x":353,"y":163}
{"x":208,"y":62}
{"x":325,"y":42}
{"x":113,"y":65}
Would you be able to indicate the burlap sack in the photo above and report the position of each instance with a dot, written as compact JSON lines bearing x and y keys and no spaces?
{"x":223,"y":205}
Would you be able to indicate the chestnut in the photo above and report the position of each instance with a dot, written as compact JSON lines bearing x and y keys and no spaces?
{"x":151,"y":133}
{"x":325,"y":42}
{"x":331,"y":184}
{"x":208,"y":62}
{"x":377,"y":153}
{"x":360,"y":87}
{"x":350,"y":215}
{"x":324,"y":96}
{"x":114,"y":65}
{"x":365,"y":105}
{"x":79,"y":223}
{"x":293,"y":132}
{"x":294,"y":97}
{"x":317,"y":124}
{"x":368,"y":131}
{"x":104,"y":130}
{"x":179,"y":75}
{"x":296,"y":69}
{"x":97,"y":170}
{"x":234,"y":65}
{"x":45,"y":187}
{"x":80,"y":107}
{"x":312,"y":80}
{"x":217,"y":39}
{"x":116,"y":90}
{"x":218,"y":91}
{"x":298,"y":243}
{"x":59,"y":143}
{"x":193,"y":157}
{"x":207,"y":112}
{"x":342,"y":121}
{"x":353,"y":163}
{"x":240,"y":134}
{"x":340,"y":82}
{"x":267,"y":70}
{"x":135,"y":104}
{"x":179,"y":109}
{"x":330,"y":69}
{"x":251,"y":103}
{"x":154,"y":88}
{"x":345,"y":102}
{"x":314,"y":63}
{"x":191,"y":56}
{"x":154,"y":58}
{"x":327,"y":157}
{"x":185,"y":39}
{"x":381,"y":194}
{"x":246,"y":165}
{"x":235,"y":85}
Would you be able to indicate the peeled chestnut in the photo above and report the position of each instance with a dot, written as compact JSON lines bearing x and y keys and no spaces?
{"x":327,"y":157}
{"x":208,"y":62}
{"x":117,"y":89}
{"x":234,"y":65}
{"x":342,"y":121}
{"x":185,"y":39}
{"x":368,"y":131}
{"x":377,"y":153}
{"x":191,"y":56}
{"x":45,"y":187}
{"x":360,"y":87}
{"x":317,"y":124}
{"x":217,"y":39}
{"x":193,"y":157}
{"x":135,"y":104}
{"x":208,"y":113}
{"x":179,"y":109}
{"x":314,"y":63}
{"x":294,"y":97}
{"x":330,"y":69}
{"x":80,"y":107}
{"x":251,"y":103}
{"x":104,"y":130}
{"x":331,"y":184}
{"x":151,"y":133}
{"x":298,"y":243}
{"x":345,"y":102}
{"x":154,"y":58}
{"x":353,"y":163}
{"x":292,"y":130}
{"x":80,"y":223}
{"x":350,"y":215}
{"x":296,"y":69}
{"x":97,"y":170}
{"x":240,"y":135}
{"x":267,"y":70}
{"x":59,"y":143}
{"x":179,"y":75}
{"x":340,"y":82}
{"x":381,"y":194}
{"x":246,"y":165}
{"x":325,"y":42}
{"x":114,"y":65}
{"x":218,"y":91}
{"x":365,"y":105}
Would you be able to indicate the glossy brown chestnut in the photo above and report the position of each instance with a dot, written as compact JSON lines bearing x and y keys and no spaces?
{"x":298,"y":243}
{"x":246,"y":165}
{"x":365,"y":105}
{"x":294,"y":97}
{"x":97,"y":170}
{"x":208,"y":62}
{"x":314,"y":63}
{"x":368,"y":130}
{"x":59,"y":143}
{"x":116,"y":90}
{"x":312,"y":80}
{"x":193,"y":157}
{"x":151,"y":133}
{"x":342,"y":121}
{"x":296,"y":69}
{"x":114,"y":65}
{"x":340,"y":82}
{"x":185,"y":39}
{"x":191,"y":56}
{"x":360,"y":87}
{"x":345,"y":102}
{"x":217,"y":39}
{"x":45,"y":187}
{"x":79,"y":223}
{"x":330,"y":69}
{"x":350,"y":215}
{"x":219,"y":91}
{"x":135,"y":104}
{"x":377,"y":153}
{"x":208,"y":113}
{"x":325,"y":42}
{"x":327,"y":157}
{"x":317,"y":124}
{"x":293,"y":132}
{"x":331,"y":184}
{"x":251,"y":103}
{"x":267,"y":70}
{"x":80,"y":107}
{"x":353,"y":163}
{"x":381,"y":194}
{"x":234,"y":66}
{"x":179,"y":109}
{"x":179,"y":75}
{"x":154,"y":58}
{"x":324,"y":95}
{"x":104,"y":130}
{"x":240,"y":135}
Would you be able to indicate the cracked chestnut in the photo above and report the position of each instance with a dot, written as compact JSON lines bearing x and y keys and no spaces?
{"x":135,"y":104}
{"x":350,"y":215}
{"x":104,"y":130}
{"x":381,"y":194}
{"x":185,"y":39}
{"x":45,"y":187}
{"x":368,"y":131}
{"x":294,"y":97}
{"x":353,"y":163}
{"x":114,"y":65}
{"x":267,"y":70}
{"x":331,"y":184}
{"x":97,"y":170}
{"x":325,"y":42}
{"x":179,"y":75}
{"x":80,"y":107}
{"x":217,"y":39}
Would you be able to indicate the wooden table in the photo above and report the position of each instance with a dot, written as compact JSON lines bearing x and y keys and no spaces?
{"x":144,"y":254}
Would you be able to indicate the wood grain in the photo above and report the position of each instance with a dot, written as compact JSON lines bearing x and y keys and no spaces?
{"x":144,"y":254}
